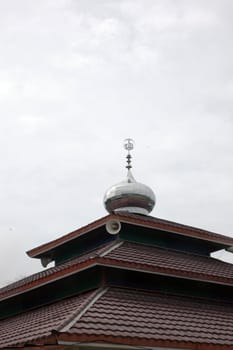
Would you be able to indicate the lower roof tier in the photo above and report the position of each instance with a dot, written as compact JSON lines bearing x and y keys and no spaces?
{"x":131,"y":256}
{"x":126,"y":317}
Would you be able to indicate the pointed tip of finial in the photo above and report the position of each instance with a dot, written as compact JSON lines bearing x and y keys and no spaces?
{"x":129,"y":146}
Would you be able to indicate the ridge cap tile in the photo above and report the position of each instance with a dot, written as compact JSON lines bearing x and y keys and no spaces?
{"x":67,"y":323}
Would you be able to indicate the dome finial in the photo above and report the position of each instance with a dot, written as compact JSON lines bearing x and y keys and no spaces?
{"x":129,"y":195}
{"x":129,"y":145}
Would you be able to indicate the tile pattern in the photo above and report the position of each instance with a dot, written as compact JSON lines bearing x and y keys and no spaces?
{"x":40,"y":322}
{"x":145,"y":315}
{"x":142,"y":255}
{"x":125,"y":314}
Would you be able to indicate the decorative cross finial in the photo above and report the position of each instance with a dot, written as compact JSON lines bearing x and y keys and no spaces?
{"x":129,"y":145}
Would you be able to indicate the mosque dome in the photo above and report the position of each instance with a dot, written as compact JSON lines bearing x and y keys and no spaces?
{"x":129,"y":195}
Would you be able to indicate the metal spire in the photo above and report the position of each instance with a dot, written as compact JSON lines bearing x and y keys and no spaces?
{"x":129,"y":145}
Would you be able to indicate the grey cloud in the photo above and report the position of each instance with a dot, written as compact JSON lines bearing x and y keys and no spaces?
{"x":76,"y":78}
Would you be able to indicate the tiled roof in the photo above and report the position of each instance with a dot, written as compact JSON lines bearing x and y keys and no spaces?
{"x":144,"y":315}
{"x":137,"y":257}
{"x":123,"y":316}
{"x":39,"y":323}
{"x":136,"y":219}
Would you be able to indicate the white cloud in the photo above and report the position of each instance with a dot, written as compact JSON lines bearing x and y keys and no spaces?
{"x":31,"y":123}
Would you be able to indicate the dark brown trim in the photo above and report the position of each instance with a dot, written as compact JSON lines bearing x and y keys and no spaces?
{"x":52,"y":244}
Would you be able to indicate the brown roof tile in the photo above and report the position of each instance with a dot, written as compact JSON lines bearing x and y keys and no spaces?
{"x":138,"y":314}
{"x":186,"y":264}
{"x":124,"y":316}
{"x":40,"y":322}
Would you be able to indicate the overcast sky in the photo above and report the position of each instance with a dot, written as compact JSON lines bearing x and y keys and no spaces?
{"x":77,"y":78}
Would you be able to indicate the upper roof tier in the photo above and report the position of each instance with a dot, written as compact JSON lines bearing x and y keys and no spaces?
{"x":146,"y":226}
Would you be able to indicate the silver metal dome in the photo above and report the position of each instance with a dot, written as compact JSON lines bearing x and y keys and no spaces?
{"x":131,"y":196}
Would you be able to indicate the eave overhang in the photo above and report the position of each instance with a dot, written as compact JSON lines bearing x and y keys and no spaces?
{"x":116,"y":264}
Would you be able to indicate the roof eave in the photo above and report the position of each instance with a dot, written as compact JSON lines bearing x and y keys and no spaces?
{"x":41,"y":250}
{"x":118,"y":265}
{"x":135,"y":343}
{"x":47,"y":248}
{"x":221,"y":240}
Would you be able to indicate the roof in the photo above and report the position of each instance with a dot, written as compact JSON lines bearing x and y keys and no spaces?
{"x":132,"y":256}
{"x":136,"y":219}
{"x":40,"y":322}
{"x":124,"y":316}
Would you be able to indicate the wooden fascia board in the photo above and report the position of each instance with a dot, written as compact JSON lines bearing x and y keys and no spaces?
{"x":44,"y":248}
{"x":182,"y":232}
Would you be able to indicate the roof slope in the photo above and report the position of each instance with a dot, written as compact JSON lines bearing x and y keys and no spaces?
{"x":133,"y":256}
{"x":124,"y":316}
{"x":39,"y":323}
{"x":149,"y":316}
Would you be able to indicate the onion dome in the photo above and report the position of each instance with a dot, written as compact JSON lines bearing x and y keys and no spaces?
{"x":129,"y":195}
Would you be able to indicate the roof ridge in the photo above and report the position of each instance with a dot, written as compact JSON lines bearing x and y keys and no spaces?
{"x":77,"y":314}
{"x":108,"y":250}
